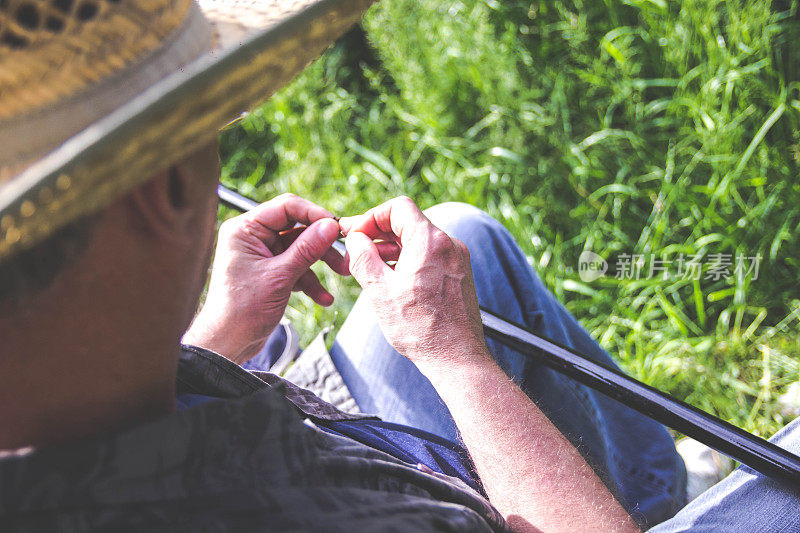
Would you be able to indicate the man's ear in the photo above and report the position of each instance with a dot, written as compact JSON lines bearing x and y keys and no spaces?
{"x":163,"y":205}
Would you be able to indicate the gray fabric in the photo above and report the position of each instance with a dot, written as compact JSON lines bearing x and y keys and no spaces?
{"x":246,"y":463}
{"x":314,"y":370}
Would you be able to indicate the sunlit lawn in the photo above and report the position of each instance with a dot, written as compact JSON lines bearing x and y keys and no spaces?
{"x":637,"y":127}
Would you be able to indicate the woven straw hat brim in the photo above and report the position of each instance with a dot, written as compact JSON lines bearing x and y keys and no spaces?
{"x":170,"y":119}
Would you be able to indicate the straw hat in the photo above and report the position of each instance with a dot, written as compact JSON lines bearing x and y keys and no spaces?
{"x":95,"y":95}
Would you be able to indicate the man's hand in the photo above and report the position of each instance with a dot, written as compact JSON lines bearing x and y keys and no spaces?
{"x":260,"y":259}
{"x":427,"y":309}
{"x":426,"y":303}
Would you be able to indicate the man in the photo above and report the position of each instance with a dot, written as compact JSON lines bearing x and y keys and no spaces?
{"x":94,"y":300}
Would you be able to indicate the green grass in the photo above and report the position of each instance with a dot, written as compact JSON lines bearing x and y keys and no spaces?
{"x":632,"y":127}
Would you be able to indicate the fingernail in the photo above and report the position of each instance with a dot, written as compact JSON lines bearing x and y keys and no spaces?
{"x":328,"y":229}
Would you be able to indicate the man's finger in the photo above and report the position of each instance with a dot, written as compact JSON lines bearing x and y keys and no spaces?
{"x":398,"y":216}
{"x":309,"y":247}
{"x":337,"y":262}
{"x":389,"y":251}
{"x":283,"y":212}
{"x":366,"y":263}
{"x":332,"y":257}
{"x":353,"y":223}
{"x":310,"y":285}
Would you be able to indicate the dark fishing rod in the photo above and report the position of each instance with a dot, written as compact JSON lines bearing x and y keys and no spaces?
{"x":746,"y":448}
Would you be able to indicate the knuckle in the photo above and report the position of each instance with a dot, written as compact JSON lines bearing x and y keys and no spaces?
{"x":440,"y":243}
{"x":286,"y":197}
{"x":404,"y":201}
{"x":449,"y":251}
{"x":440,"y":235}
{"x":226,"y":226}
{"x":229,"y":227}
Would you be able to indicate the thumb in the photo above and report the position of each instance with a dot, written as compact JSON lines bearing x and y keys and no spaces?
{"x":366,"y":264}
{"x":309,"y":247}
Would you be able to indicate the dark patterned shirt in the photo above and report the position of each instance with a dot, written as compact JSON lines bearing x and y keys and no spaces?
{"x":252,"y":461}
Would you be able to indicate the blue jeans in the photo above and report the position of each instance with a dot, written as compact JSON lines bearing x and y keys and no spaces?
{"x":634,"y":456}
{"x":745,"y":501}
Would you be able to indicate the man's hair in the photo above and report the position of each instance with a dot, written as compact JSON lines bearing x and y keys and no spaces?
{"x":25,"y":273}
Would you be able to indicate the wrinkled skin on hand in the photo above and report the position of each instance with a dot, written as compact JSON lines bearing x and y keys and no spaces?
{"x":425,"y":304}
{"x":260,"y":259}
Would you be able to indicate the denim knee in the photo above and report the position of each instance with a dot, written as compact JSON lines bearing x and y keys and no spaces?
{"x":464,"y":222}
